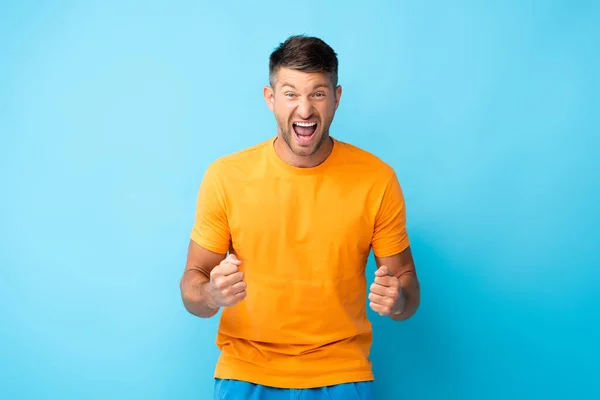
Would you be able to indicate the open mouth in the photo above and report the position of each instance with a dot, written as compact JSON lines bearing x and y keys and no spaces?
{"x":304,"y":131}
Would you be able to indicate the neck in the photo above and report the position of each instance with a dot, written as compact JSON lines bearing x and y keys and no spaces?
{"x":309,"y":161}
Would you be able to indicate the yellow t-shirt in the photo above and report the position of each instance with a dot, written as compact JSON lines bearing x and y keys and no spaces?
{"x":304,"y":236}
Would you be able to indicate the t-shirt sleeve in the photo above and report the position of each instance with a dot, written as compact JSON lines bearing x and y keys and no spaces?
{"x":211,"y":228}
{"x":390,"y":236}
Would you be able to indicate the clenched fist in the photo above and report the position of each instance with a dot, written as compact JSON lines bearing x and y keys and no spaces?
{"x":227,"y":286}
{"x":386,"y":295}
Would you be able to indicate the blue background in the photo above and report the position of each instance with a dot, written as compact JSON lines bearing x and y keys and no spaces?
{"x":109,"y":114}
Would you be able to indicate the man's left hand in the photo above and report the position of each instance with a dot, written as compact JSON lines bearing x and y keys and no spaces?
{"x":386,"y":295}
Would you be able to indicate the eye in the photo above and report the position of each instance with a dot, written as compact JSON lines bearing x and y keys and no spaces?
{"x":289,"y":95}
{"x":320,"y":94}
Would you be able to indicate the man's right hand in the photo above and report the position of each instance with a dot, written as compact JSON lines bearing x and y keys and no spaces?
{"x":227,"y":286}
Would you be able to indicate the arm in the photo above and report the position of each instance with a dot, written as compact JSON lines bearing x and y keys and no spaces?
{"x":196,"y":278}
{"x":206,"y":283}
{"x":395,"y":291}
{"x":408,"y":292}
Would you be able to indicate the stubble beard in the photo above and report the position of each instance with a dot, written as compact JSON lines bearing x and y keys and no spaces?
{"x":286,"y":133}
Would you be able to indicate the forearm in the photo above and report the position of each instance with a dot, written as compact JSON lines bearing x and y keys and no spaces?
{"x":195,"y":296}
{"x":412,"y":296}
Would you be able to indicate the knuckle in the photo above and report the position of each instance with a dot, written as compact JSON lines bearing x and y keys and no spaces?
{"x":220,"y":284}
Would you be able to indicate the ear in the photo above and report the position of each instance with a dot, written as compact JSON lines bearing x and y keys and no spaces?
{"x":269,"y":95}
{"x":338,"y":95}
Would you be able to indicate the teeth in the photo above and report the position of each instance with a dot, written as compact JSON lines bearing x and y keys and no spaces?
{"x":305,"y":124}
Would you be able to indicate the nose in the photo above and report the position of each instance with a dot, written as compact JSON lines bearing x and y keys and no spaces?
{"x":305,"y":108}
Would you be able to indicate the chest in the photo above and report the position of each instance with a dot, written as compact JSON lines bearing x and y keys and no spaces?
{"x":327,"y":215}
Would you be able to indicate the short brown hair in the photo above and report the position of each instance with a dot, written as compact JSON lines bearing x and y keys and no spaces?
{"x":303,"y":53}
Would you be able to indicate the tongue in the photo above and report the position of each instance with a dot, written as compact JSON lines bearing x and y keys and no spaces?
{"x":304,"y":130}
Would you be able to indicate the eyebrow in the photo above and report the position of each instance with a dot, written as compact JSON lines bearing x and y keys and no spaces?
{"x":288,"y":84}
{"x":317,"y":86}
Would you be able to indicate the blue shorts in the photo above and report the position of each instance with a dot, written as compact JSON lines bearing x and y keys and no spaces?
{"x":227,"y":389}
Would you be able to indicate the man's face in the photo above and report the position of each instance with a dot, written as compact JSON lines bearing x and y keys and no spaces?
{"x":304,"y":105}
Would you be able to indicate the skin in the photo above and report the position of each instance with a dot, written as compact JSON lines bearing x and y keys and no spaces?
{"x":301,"y":96}
{"x":211,"y":280}
{"x":395,"y":291}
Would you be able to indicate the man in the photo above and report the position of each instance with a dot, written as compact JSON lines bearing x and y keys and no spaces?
{"x":282,"y":235}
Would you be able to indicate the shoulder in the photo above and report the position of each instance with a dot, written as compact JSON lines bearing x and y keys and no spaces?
{"x":240,"y":160}
{"x":358,"y":158}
